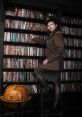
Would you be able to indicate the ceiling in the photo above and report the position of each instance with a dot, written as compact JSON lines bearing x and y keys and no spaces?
{"x":59,"y":2}
{"x":65,"y":2}
{"x":68,"y":5}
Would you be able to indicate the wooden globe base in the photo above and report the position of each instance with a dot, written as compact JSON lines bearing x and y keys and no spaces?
{"x":15,"y":105}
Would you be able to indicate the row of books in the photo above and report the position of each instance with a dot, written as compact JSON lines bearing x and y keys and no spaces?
{"x":28,"y":13}
{"x":71,"y":87}
{"x":71,"y":76}
{"x":71,"y":20}
{"x":35,"y":51}
{"x":16,"y":24}
{"x":24,"y":13}
{"x":21,"y":37}
{"x":15,"y":11}
{"x":18,"y":76}
{"x":73,"y":42}
{"x":32,"y":63}
{"x":71,"y":31}
{"x":24,"y":50}
{"x":72,"y":53}
{"x":28,"y":76}
{"x":31,"y":88}
{"x":72,"y":64}
{"x":20,"y":63}
{"x":21,"y":77}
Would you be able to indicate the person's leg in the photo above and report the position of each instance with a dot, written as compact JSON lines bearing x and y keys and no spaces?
{"x":38,"y":73}
{"x":56,"y":91}
{"x":56,"y":95}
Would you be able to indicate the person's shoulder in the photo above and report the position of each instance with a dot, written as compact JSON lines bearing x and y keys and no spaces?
{"x":58,"y":33}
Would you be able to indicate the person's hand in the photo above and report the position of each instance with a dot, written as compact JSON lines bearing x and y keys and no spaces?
{"x":45,"y":61}
{"x":32,"y":36}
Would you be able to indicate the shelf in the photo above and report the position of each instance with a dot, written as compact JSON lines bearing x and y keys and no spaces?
{"x":71,"y":81}
{"x":73,"y":48}
{"x":71,"y":25}
{"x":20,"y":83}
{"x":25,"y":31}
{"x":71,"y":93}
{"x":28,"y":82}
{"x":24,"y":19}
{"x":69,"y":14}
{"x":18,"y":70}
{"x":72,"y":36}
{"x":23,"y":57}
{"x":72,"y":59}
{"x":23,"y":44}
{"x":72,"y":70}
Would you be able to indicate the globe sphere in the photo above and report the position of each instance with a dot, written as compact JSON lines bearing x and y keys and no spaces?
{"x":15,"y":95}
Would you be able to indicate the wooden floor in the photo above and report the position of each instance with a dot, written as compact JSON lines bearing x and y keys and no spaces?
{"x":67,"y":114}
{"x":33,"y":109}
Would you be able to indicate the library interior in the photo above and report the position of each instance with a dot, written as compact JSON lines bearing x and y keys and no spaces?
{"x":44,"y":40}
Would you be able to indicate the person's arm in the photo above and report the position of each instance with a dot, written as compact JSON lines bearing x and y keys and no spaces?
{"x":59,"y":47}
{"x":38,"y":40}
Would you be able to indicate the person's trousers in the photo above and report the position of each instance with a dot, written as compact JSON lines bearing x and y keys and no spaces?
{"x":54,"y":76}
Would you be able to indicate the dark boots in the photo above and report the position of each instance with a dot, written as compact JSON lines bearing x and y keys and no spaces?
{"x":56,"y":96}
{"x":56,"y":90}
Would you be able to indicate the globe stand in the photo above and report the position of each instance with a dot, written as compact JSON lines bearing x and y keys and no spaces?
{"x":14,"y":104}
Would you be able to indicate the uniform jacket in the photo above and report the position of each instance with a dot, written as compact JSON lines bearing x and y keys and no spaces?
{"x":55,"y":50}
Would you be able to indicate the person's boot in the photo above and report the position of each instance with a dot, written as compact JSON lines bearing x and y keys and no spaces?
{"x":56,"y":97}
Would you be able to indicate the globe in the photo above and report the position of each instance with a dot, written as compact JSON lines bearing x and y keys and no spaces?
{"x":15,"y":95}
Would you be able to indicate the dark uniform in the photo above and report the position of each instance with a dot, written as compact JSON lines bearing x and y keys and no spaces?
{"x":55,"y":50}
{"x":50,"y":71}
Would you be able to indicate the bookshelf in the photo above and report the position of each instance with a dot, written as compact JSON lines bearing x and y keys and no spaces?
{"x":71,"y":28}
{"x":71,"y":75}
{"x":20,"y":55}
{"x":20,"y":24}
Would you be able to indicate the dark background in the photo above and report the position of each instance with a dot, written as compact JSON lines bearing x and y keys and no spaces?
{"x":73,"y":6}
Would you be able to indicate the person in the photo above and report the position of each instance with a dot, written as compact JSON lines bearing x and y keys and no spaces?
{"x":49,"y":69}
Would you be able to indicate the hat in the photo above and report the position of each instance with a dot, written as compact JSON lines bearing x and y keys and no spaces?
{"x":51,"y":18}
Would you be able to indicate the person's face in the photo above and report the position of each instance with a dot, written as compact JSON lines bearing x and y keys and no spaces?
{"x":51,"y":26}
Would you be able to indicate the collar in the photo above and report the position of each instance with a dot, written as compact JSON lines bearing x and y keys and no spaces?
{"x":52,"y":33}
